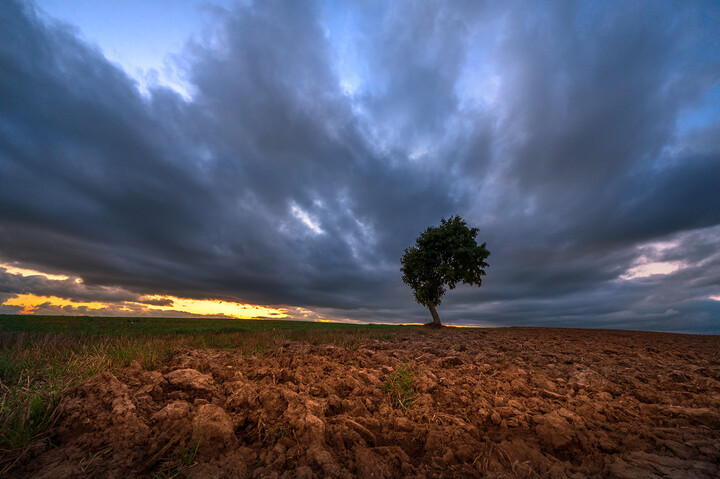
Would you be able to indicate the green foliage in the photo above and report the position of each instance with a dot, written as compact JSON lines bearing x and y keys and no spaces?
{"x":271,"y":435}
{"x":400,"y":386}
{"x":90,"y":462}
{"x":179,"y":460}
{"x":188,"y":453}
{"x":443,"y":256}
{"x":137,"y":326}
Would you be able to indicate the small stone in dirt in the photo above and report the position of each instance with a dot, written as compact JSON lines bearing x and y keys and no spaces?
{"x":496,"y":418}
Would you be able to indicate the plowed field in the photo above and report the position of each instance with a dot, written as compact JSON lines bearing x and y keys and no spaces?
{"x":518,"y":403}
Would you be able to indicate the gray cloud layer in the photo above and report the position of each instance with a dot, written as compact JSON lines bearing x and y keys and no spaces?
{"x":565,"y":131}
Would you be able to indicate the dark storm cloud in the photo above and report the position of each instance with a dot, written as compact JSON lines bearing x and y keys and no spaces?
{"x":320,"y":140}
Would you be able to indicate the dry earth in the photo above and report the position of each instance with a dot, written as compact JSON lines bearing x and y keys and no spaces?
{"x":499,"y":403}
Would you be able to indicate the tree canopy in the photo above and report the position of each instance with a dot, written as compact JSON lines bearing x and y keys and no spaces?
{"x":443,"y":256}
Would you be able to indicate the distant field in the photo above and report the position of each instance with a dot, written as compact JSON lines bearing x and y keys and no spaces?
{"x":40,"y":356}
{"x":141,"y":326}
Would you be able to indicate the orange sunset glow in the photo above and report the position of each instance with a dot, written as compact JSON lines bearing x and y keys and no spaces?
{"x":39,"y":304}
{"x":30,"y":302}
{"x":31,"y":272}
{"x":203,"y":307}
{"x":214,"y":307}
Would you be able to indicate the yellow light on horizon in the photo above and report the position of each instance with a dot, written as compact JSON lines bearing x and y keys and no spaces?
{"x":31,"y":272}
{"x":201,"y":307}
{"x":216,"y":306}
{"x":30,"y":302}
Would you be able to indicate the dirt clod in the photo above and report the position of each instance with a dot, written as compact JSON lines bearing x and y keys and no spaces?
{"x":190,"y":380}
{"x":213,"y":426}
{"x":555,"y":431}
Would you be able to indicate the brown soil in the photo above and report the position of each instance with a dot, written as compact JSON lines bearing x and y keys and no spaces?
{"x":500,"y":403}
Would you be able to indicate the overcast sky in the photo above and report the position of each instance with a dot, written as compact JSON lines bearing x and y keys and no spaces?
{"x":286,"y":153}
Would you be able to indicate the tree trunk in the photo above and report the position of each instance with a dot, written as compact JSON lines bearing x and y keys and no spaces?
{"x":436,"y":318}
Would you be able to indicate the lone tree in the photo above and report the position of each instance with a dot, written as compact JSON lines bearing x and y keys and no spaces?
{"x":443,"y":255}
